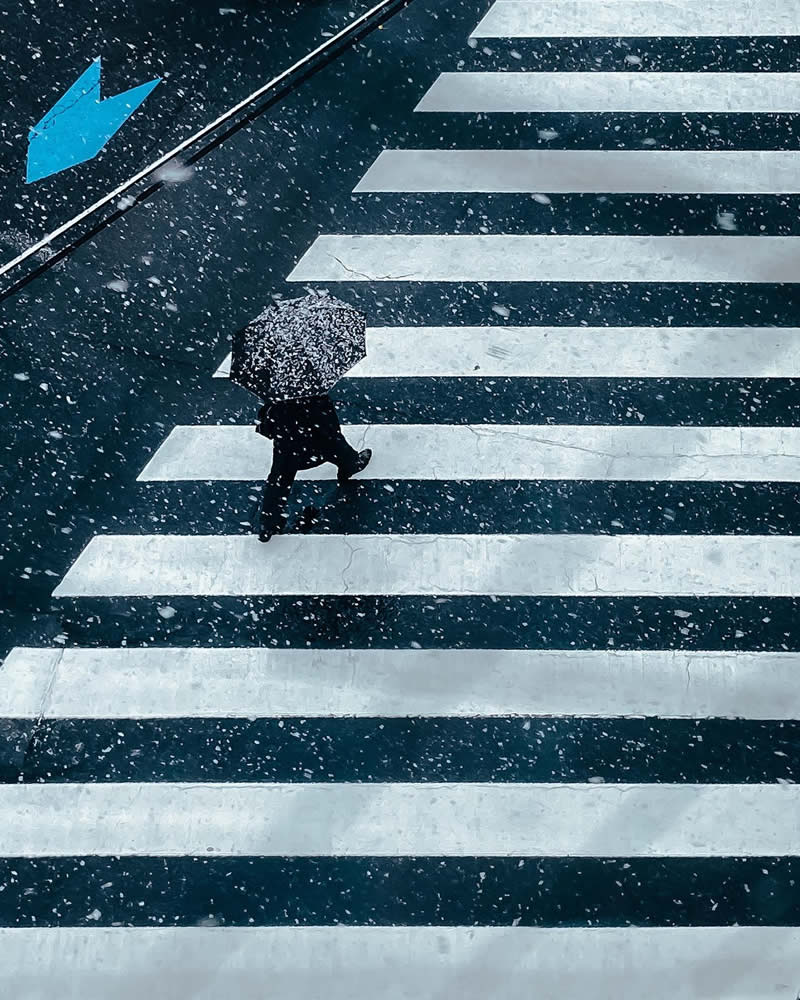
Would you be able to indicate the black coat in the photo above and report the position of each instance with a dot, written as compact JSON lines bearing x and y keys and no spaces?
{"x":305,"y":432}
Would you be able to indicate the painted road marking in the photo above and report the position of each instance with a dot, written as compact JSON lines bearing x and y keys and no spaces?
{"x":80,"y":124}
{"x":449,"y":565}
{"x":494,"y":451}
{"x":176,"y":682}
{"x":370,"y":18}
{"x":577,"y":352}
{"x":605,"y":171}
{"x":551,"y":258}
{"x":399,"y":819}
{"x":395,"y":963}
{"x":608,"y":92}
{"x":638,"y":18}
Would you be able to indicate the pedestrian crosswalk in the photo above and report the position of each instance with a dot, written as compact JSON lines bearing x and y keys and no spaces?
{"x":517,"y":754}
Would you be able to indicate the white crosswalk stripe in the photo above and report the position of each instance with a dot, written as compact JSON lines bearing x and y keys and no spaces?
{"x":549,"y":258}
{"x":577,"y":352}
{"x":396,"y":963}
{"x":565,"y":565}
{"x":637,"y":18}
{"x":490,"y":451}
{"x":194,"y":682}
{"x":375,"y":820}
{"x":530,"y":171}
{"x":672,"y":822}
{"x":602,"y":92}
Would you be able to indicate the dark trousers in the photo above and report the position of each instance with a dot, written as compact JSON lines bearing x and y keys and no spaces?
{"x":285,"y":466}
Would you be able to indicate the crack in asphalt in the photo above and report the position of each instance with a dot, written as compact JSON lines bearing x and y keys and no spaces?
{"x":370,"y":277}
{"x":56,"y":112}
{"x":352,"y":549}
{"x":47,"y":694}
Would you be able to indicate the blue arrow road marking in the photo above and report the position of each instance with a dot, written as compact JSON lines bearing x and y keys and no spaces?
{"x":79,"y":125}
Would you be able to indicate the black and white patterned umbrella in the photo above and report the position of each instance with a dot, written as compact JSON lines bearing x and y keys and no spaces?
{"x":298,"y":347}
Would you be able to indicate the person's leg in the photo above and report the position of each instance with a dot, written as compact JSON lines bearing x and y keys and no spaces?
{"x":275,"y":498}
{"x":343,"y":454}
{"x":347,"y":459}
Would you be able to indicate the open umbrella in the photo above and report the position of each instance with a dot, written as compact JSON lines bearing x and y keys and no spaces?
{"x":298,"y":347}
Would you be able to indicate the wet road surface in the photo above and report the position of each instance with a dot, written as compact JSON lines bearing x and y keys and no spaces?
{"x":518,"y":713}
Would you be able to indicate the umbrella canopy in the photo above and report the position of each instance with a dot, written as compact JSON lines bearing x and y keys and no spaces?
{"x":298,"y":347}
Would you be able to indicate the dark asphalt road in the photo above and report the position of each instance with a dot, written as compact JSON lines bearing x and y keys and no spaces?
{"x":208,"y":56}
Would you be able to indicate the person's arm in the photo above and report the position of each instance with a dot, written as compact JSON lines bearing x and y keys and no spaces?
{"x":264,"y":424}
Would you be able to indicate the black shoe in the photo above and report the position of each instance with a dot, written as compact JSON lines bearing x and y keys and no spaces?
{"x":359,"y":465}
{"x":266,"y":531}
{"x":270,"y":525}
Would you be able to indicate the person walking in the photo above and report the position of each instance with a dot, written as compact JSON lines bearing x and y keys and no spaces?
{"x":305,"y":433}
{"x":290,"y":356}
